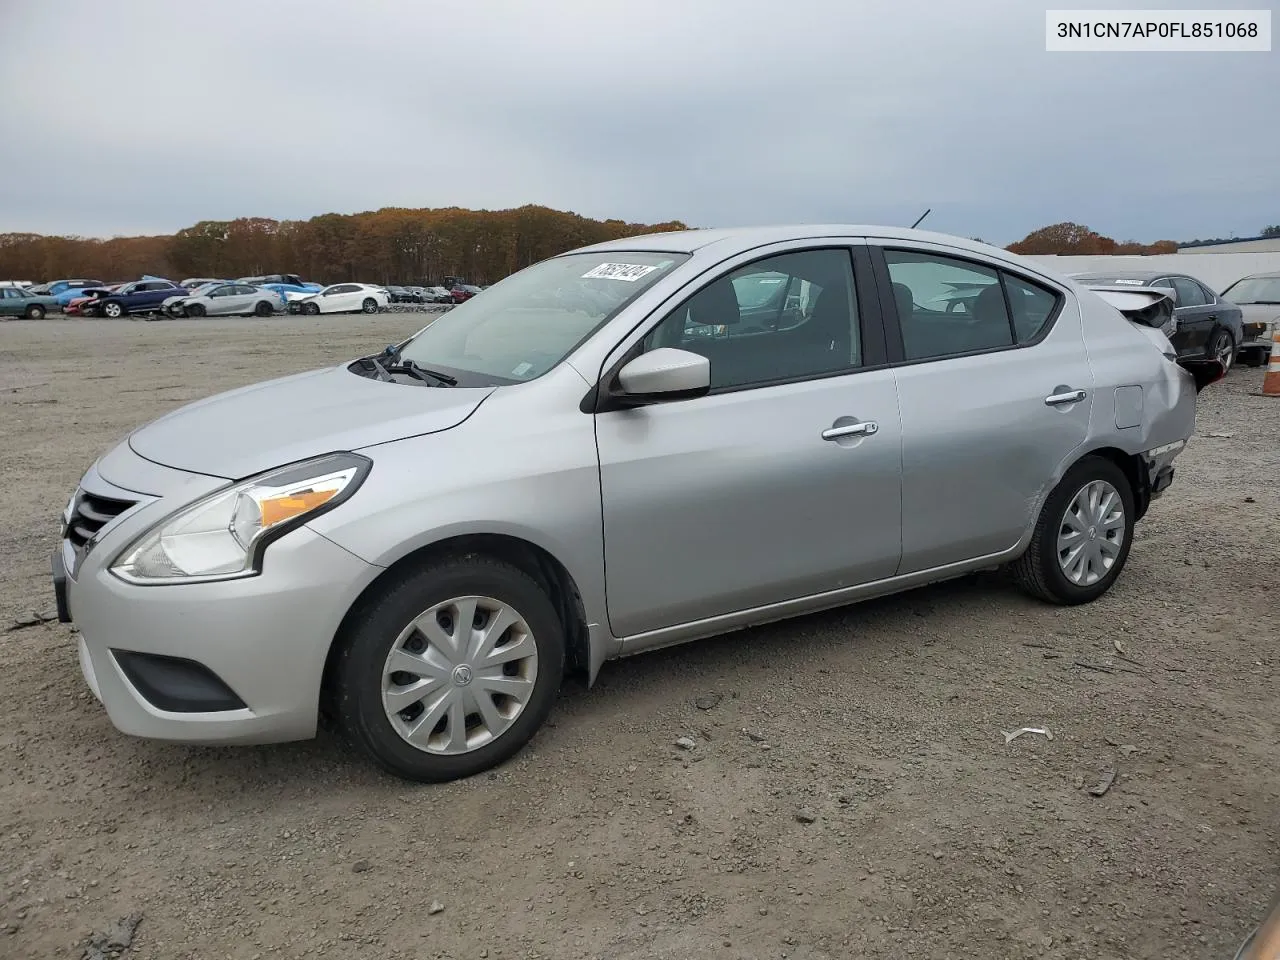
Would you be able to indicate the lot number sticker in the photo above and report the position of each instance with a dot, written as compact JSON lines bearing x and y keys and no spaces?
{"x":630,"y":272}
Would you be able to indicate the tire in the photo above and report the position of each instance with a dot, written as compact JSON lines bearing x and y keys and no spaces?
{"x":263,"y":309}
{"x":370,"y":305}
{"x":311,"y":309}
{"x":384,"y":624}
{"x":1223,"y":347}
{"x":35,"y":312}
{"x":195,"y":310}
{"x":1039,"y":571}
{"x":1255,"y":356}
{"x":112,"y":310}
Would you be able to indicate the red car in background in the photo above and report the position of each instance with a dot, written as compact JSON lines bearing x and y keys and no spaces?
{"x":463,"y":291}
{"x":76,"y":308}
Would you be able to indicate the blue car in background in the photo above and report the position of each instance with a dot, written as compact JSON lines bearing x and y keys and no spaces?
{"x":141,"y":296}
{"x":283,"y":284}
{"x":64,"y":291}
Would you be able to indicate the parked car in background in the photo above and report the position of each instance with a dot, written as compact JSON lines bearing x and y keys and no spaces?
{"x":1258,"y":297}
{"x":343,"y":298}
{"x":438,"y":294}
{"x":140,"y":296}
{"x":1207,"y":325}
{"x":21,"y":302}
{"x":24,"y":284}
{"x":68,"y":290}
{"x":193,"y":282}
{"x":463,"y":292}
{"x":84,"y":305}
{"x":223,"y":299}
{"x":398,"y":294}
{"x":336,"y":540}
{"x":283,"y":283}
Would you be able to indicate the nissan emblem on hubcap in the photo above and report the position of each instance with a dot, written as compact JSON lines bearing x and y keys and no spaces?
{"x":462,"y":674}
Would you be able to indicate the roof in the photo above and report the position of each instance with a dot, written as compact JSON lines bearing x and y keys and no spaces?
{"x":1218,"y":243}
{"x":733,"y":240}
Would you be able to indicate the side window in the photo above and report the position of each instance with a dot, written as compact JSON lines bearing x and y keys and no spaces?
{"x":1032,"y":306}
{"x":947,"y":306}
{"x":245,"y":290}
{"x":1189,"y":292}
{"x":786,"y":317}
{"x":224,"y":291}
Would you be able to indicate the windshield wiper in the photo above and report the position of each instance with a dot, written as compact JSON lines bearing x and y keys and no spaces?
{"x":410,"y":367}
{"x":394,"y":364}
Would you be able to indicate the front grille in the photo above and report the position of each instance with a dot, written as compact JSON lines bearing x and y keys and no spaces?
{"x":90,"y":514}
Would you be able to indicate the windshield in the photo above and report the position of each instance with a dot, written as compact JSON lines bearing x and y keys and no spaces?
{"x":1254,"y":290}
{"x":529,"y":322}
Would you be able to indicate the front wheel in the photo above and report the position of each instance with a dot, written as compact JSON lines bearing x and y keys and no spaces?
{"x":113,"y":311}
{"x":311,"y":309}
{"x":1082,"y":538}
{"x":35,"y":312}
{"x":195,"y":310}
{"x":370,"y":305}
{"x":1223,"y":349}
{"x":450,"y":669}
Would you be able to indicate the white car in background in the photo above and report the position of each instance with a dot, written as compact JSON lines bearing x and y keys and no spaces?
{"x":343,"y":298}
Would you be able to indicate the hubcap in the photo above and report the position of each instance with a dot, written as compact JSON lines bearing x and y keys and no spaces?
{"x":1091,"y":533}
{"x":459,"y":675}
{"x":1224,"y":351}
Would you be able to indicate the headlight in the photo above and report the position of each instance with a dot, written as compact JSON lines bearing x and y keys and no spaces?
{"x":222,"y":536}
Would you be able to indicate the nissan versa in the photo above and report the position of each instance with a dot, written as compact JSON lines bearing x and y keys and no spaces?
{"x":622,"y":447}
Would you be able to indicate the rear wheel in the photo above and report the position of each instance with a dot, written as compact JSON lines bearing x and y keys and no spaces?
{"x":35,"y":312}
{"x":370,"y":305}
{"x":1223,"y":349}
{"x":311,"y":309}
{"x":450,"y":669}
{"x":1082,"y":539}
{"x":1255,"y":356}
{"x":195,"y":310}
{"x":263,"y":309}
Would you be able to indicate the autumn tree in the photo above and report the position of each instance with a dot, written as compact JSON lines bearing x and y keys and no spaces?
{"x":391,"y":245}
{"x":1073,"y":239}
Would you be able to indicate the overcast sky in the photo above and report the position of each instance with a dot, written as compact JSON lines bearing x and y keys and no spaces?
{"x":144,"y":116}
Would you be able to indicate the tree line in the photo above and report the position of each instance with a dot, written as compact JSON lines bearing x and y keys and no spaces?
{"x":392,"y":245}
{"x":397,"y":245}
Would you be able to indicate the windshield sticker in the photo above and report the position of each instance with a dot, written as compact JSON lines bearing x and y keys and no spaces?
{"x":630,"y":272}
{"x":521,"y":369}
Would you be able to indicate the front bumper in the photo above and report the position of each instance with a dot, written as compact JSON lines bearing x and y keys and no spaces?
{"x":153,"y":654}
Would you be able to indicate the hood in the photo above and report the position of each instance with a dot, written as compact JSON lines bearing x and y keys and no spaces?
{"x":245,"y":431}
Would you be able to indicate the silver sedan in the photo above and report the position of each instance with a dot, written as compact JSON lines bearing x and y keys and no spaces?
{"x":623,"y":447}
{"x":225,"y":299}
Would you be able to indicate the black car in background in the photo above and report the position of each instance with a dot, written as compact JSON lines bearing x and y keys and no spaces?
{"x":401,"y":295}
{"x":1209,"y":326}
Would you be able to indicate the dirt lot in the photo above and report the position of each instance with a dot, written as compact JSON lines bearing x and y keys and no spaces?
{"x":850,"y":793}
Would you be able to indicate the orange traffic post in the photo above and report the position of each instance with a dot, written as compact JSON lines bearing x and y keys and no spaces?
{"x":1271,"y":382}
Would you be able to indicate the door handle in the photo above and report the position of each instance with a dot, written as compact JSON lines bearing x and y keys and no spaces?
{"x":864,"y":429}
{"x":1071,"y":396}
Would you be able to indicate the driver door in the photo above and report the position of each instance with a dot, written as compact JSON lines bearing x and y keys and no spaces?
{"x":766,"y":489}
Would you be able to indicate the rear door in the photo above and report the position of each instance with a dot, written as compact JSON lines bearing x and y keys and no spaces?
{"x":781,"y":483}
{"x":1194,"y":314}
{"x":994,"y":399}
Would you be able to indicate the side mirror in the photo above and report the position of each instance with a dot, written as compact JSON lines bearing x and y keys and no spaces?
{"x":662,"y":375}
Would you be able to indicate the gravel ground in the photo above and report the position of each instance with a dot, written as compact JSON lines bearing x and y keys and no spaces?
{"x":849,"y":792}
